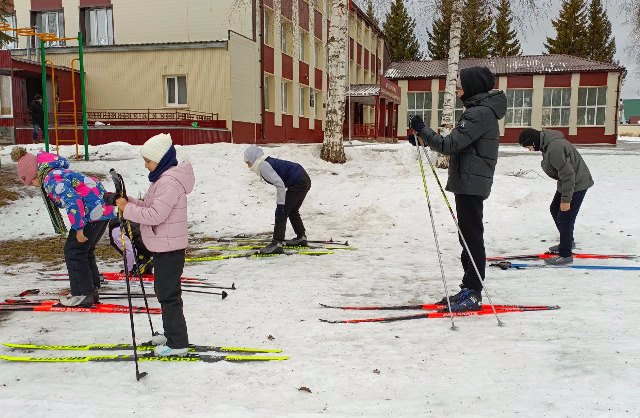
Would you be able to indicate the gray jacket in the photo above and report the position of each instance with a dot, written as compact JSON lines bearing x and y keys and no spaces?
{"x":562,"y":161}
{"x":472,"y":145}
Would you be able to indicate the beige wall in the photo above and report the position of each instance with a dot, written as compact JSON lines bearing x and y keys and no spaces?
{"x":245,"y":80}
{"x":135,"y":79}
{"x":153,"y":21}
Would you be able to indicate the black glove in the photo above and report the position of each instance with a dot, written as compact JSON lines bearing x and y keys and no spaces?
{"x":411,"y":139}
{"x":110,"y":198}
{"x":416,"y":123}
{"x":280,"y":212}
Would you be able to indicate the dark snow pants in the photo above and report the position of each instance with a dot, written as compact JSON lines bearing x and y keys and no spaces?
{"x":168,"y":270}
{"x":469,"y":209}
{"x":80,"y":258}
{"x":293,"y":201}
{"x":565,"y":221}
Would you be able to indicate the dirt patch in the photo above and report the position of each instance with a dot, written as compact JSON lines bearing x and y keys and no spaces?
{"x":9,"y":186}
{"x":48,"y":251}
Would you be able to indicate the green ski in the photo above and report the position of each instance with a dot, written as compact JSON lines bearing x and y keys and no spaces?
{"x":144,"y":357}
{"x":146,"y":346}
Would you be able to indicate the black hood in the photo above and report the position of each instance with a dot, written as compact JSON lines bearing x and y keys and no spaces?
{"x":494,"y":100}
{"x":476,"y":80}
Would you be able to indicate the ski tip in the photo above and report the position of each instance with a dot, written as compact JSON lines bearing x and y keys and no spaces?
{"x":329,"y":321}
{"x":224,"y":295}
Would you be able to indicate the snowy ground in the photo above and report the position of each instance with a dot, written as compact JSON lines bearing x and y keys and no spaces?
{"x":581,"y":360}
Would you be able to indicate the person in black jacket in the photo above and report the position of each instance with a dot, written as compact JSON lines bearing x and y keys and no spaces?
{"x":37,"y":117}
{"x":473,"y":147}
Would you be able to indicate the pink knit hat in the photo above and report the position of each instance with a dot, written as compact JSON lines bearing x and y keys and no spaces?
{"x":27,"y":168}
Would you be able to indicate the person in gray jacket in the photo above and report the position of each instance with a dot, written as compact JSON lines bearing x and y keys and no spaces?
{"x":473,"y":147}
{"x":292,"y":184}
{"x":561,"y":161}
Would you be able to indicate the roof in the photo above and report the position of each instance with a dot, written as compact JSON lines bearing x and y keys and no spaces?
{"x":523,"y":64}
{"x":631,"y":107}
{"x":363,"y":90}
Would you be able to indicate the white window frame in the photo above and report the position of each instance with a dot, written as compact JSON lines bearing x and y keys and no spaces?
{"x":419,"y":103}
{"x":558,"y":106}
{"x":598,"y":107}
{"x":284,"y":96}
{"x":302,"y":48}
{"x":267,"y":93}
{"x":302,"y":101}
{"x":11,"y":21}
{"x":175,"y":77}
{"x":91,"y":15}
{"x":9,"y":95}
{"x":516,"y":113}
{"x":59,"y":32}
{"x":267,"y":28}
{"x":286,"y":36}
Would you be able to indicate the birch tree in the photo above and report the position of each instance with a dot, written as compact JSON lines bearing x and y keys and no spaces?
{"x":332,"y":146}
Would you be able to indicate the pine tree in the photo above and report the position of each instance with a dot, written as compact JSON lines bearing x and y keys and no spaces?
{"x":399,"y":32}
{"x":600,"y":45}
{"x":477,"y":21}
{"x":5,"y":37}
{"x":438,"y":37}
{"x":371,"y":13}
{"x":570,"y":29}
{"x":504,"y":40}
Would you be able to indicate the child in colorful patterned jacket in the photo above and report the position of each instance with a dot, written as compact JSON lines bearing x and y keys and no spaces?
{"x":89,"y":207}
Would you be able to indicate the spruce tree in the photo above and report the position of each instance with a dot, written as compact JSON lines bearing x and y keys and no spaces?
{"x":5,"y":37}
{"x":477,"y":21}
{"x":399,"y":32}
{"x":600,"y":45}
{"x":571,"y":30}
{"x":504,"y":40}
{"x":438,"y":37}
{"x":371,"y":14}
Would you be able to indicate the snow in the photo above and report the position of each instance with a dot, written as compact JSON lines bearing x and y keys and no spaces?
{"x":581,"y":360}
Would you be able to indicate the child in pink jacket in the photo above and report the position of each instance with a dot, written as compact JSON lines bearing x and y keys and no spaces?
{"x":162,"y":216}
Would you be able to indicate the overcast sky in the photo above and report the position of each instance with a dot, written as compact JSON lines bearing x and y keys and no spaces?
{"x":533,"y":36}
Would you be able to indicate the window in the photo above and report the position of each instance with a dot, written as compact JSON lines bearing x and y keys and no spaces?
{"x":419,"y":104}
{"x":267,"y":30}
{"x":518,"y":107}
{"x":6,"y":104}
{"x":284,"y":93}
{"x":286,"y":33}
{"x":51,"y":22}
{"x":11,"y":21}
{"x":302,"y":101}
{"x":458,"y":110}
{"x":317,"y":103}
{"x":591,"y":106}
{"x":98,"y":24}
{"x":176,"y":90}
{"x":304,"y":40}
{"x":318,"y":53}
{"x":555,"y":107}
{"x":268,"y":87}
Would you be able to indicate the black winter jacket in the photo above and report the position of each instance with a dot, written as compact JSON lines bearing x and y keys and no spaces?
{"x":472,"y":145}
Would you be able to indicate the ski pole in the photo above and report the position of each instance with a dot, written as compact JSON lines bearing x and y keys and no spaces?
{"x":435,"y":237}
{"x":455,"y":221}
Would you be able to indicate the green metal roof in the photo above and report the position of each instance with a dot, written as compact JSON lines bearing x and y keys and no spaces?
{"x":631,"y":108}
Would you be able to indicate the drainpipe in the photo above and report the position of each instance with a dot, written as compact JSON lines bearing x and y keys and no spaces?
{"x":261,"y":46}
{"x":617,"y":113}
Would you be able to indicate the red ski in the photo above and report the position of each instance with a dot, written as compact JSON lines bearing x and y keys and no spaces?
{"x":434,"y":307}
{"x":550,"y":255}
{"x":54,"y":306}
{"x":118,"y":276}
{"x":486,"y":310}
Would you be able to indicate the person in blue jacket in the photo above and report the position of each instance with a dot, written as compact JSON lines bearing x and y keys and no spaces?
{"x":292,"y":183}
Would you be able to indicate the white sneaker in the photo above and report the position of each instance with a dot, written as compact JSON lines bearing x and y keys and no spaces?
{"x":85,"y":301}
{"x":158,"y":339}
{"x":166,"y":351}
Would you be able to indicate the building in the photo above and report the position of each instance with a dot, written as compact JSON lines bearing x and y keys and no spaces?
{"x":631,"y":111}
{"x":244,"y":71}
{"x":574,"y":95}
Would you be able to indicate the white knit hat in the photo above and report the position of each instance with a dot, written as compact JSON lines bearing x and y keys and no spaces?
{"x":156,"y":147}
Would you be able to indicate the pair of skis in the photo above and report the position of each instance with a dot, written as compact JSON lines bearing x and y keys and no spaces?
{"x":18,"y":305}
{"x":240,"y":354}
{"x":255,"y":254}
{"x":511,"y":261}
{"x":439,"y":311}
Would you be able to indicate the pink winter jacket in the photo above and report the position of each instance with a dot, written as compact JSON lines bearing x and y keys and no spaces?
{"x":162,"y":214}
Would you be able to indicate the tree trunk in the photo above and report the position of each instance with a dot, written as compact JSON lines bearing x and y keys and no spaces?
{"x":449,"y":106}
{"x":333,"y":147}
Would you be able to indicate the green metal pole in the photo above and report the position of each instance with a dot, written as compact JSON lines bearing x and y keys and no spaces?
{"x":45,"y":100}
{"x":83,"y":94}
